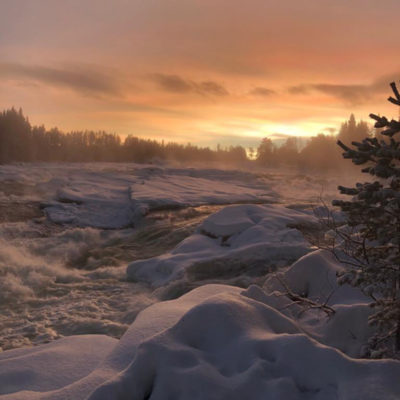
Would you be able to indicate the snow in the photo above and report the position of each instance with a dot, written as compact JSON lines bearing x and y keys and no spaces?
{"x":52,"y":366}
{"x":314,"y":277}
{"x":113,"y":196}
{"x":234,"y":238}
{"x":117,"y":195}
{"x":165,"y":190}
{"x":216,"y":342}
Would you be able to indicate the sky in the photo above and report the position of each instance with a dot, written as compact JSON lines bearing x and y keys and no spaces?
{"x":199,"y":71}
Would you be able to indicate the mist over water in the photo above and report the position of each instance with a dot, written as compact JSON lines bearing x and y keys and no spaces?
{"x":60,"y":279}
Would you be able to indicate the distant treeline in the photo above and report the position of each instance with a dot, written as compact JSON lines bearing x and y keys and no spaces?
{"x":321,"y":152}
{"x":22,"y":142}
{"x":19,"y":141}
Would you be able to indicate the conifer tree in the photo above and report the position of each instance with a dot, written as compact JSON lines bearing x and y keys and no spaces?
{"x":373,"y":244}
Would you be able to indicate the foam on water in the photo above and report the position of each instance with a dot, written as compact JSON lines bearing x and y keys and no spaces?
{"x":59,"y":280}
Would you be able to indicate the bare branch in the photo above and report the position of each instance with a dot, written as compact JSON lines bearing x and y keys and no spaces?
{"x":304,"y":301}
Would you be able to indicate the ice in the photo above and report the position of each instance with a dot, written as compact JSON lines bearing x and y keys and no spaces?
{"x":227,"y":242}
{"x":114,"y":196}
{"x":164,"y":189}
{"x":93,"y":199}
{"x":216,"y":342}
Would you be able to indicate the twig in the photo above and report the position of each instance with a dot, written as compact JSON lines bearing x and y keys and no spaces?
{"x":298,"y":299}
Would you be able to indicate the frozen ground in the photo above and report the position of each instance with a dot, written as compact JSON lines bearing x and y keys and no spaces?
{"x":68,"y":233}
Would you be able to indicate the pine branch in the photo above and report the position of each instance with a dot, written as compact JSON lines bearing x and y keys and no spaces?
{"x":395,"y":101}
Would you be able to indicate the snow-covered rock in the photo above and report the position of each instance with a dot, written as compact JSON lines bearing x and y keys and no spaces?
{"x":229,"y":241}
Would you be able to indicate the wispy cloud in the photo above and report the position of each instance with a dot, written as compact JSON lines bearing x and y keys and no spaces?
{"x":350,"y":94}
{"x":177,"y":84}
{"x":172,"y":83}
{"x":262,"y":92}
{"x":211,"y":87}
{"x":83,"y":80}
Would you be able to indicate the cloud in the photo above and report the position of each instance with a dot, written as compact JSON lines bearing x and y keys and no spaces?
{"x":176,"y":84}
{"x":349,"y":94}
{"x":172,"y":83}
{"x":300,"y":89}
{"x":86,"y":81}
{"x":211,"y":87}
{"x":353,"y":94}
{"x":262,"y":91}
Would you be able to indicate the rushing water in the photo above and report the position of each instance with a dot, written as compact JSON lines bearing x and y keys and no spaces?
{"x":58,"y":281}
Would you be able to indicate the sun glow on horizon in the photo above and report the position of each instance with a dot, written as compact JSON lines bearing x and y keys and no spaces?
{"x":201,"y":74}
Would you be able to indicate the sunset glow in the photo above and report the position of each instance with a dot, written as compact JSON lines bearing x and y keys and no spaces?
{"x":205,"y":72}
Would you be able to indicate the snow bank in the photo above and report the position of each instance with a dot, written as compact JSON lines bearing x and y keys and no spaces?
{"x":216,"y":342}
{"x":229,"y":242}
{"x":113,"y":196}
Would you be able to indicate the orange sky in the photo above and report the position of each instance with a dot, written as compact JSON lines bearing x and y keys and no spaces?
{"x":204,"y":71}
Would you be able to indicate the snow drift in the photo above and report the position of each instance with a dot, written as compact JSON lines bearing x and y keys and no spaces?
{"x":216,"y":342}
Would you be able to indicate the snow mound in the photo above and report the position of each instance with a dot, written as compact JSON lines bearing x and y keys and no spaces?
{"x":230,"y":346}
{"x":313,"y":277}
{"x":51,"y":366}
{"x":216,"y":342}
{"x":231,"y":241}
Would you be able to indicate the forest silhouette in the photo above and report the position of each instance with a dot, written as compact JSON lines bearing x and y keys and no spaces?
{"x":22,"y":142}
